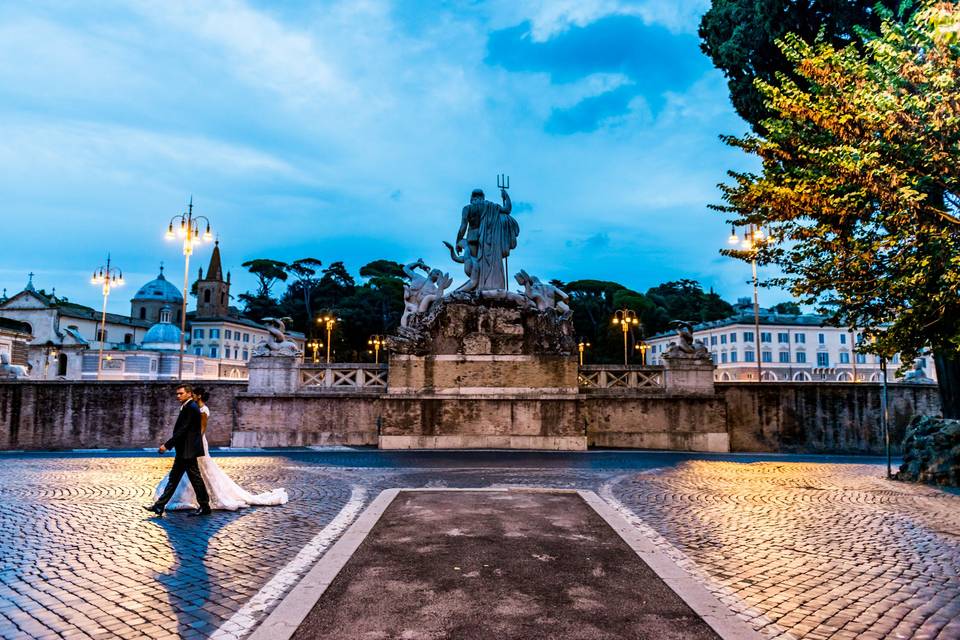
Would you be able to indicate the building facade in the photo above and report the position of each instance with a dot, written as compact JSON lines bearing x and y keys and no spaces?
{"x":797,"y":348}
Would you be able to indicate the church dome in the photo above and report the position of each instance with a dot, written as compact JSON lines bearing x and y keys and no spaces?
{"x":159,"y":290}
{"x":162,"y":336}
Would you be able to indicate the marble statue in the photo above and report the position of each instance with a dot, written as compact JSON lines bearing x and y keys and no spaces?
{"x":422,"y":291}
{"x":687,"y":347}
{"x":917,"y":375}
{"x":471,"y":266}
{"x":277,"y":343}
{"x":544,"y":296}
{"x":11,"y":371}
{"x":490,"y":233}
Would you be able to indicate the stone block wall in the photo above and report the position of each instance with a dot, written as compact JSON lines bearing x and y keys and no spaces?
{"x":303,"y":420}
{"x":821,"y":417}
{"x":85,"y":415}
{"x":677,"y":422}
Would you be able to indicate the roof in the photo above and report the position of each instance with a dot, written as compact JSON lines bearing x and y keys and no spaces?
{"x":215,"y":270}
{"x":767,"y":318}
{"x":159,"y":289}
{"x":73,"y":310}
{"x":162,"y":335}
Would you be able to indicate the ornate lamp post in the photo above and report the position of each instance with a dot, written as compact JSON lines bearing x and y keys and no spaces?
{"x":188,"y":229}
{"x":642,"y":347}
{"x":625,"y":318}
{"x":582,"y":345}
{"x":327,"y":320}
{"x":377,"y":341}
{"x":753,"y":238}
{"x":108,"y":276}
{"x":314,"y":344}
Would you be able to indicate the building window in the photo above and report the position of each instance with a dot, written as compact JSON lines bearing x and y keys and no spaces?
{"x":843,"y":338}
{"x":733,"y":356}
{"x":206,"y":295}
{"x":214,"y":333}
{"x":723,"y":358}
{"x":713,"y":357}
{"x":246,"y":337}
{"x":198,"y":351}
{"x":785,"y":356}
{"x":723,"y":339}
{"x":733,"y":337}
{"x":823,"y":359}
{"x":62,"y":364}
{"x":861,"y":358}
{"x":101,"y":335}
{"x":246,"y":354}
{"x":748,"y":336}
{"x":198,"y":334}
{"x":748,"y":356}
{"x":895,"y":359}
{"x":128,"y":338}
{"x":179,"y":315}
{"x":713,"y":341}
{"x":844,"y":357}
{"x":214,"y":351}
{"x":800,"y":338}
{"x":143,"y":313}
{"x":766,"y":356}
{"x":228,"y":334}
{"x":801,"y":357}
{"x":822,"y":338}
{"x":783,"y":338}
{"x":766,"y":337}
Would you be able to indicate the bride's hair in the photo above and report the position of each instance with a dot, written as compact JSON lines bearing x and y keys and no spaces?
{"x":201,"y":393}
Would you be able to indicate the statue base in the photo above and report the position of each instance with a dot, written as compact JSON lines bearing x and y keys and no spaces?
{"x":273,"y":374}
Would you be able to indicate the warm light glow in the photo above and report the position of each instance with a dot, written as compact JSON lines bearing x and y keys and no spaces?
{"x":734,"y":238}
{"x":616,"y":320}
{"x":207,"y":235}
{"x":758,"y":235}
{"x":169,"y":234}
{"x":746,"y":244}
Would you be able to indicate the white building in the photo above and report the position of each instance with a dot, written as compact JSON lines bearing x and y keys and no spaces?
{"x":795,"y":348}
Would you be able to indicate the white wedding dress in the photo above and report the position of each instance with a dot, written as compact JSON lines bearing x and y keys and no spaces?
{"x":224,"y":493}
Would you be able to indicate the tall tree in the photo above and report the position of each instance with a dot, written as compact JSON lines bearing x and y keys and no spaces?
{"x":686,"y":300}
{"x":304,"y":272}
{"x":261,"y":304}
{"x":860,"y":185}
{"x":740,"y":37}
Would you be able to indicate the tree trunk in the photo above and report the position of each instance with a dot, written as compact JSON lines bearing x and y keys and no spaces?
{"x":948,"y":379}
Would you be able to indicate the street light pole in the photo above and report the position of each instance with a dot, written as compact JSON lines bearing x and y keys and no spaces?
{"x":642,"y":348}
{"x":376,"y":341}
{"x":752,"y":239}
{"x":109,"y":276}
{"x":328,"y":320}
{"x":625,"y":318}
{"x":189,"y":230}
{"x":884,"y":413}
{"x":581,"y":346}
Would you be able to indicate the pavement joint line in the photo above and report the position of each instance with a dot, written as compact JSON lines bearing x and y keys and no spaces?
{"x":719,"y":616}
{"x":288,"y":575}
{"x":287,"y":616}
{"x":684,"y":563}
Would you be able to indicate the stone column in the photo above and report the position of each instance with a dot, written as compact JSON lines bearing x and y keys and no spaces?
{"x":273,"y":374}
{"x":688,"y":375}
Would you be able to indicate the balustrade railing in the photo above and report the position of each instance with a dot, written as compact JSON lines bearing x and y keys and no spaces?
{"x":596,"y":377}
{"x":343,"y":377}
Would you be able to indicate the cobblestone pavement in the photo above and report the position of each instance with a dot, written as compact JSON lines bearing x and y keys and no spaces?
{"x":803,"y":547}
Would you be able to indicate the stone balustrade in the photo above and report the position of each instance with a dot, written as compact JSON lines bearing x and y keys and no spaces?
{"x":620,"y":378}
{"x":350,"y":377}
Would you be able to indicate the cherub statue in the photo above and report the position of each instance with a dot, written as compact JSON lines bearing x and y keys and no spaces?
{"x":277,"y":343}
{"x":471,"y":265}
{"x":422,"y":291}
{"x":544,"y":296}
{"x":687,"y":347}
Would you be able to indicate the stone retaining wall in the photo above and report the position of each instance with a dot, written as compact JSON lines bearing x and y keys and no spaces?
{"x":751,"y":417}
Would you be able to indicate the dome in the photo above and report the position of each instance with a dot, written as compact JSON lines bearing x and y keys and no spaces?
{"x":163,"y":335}
{"x":159,"y":290}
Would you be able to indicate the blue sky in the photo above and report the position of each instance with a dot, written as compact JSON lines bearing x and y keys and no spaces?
{"x":355,"y":131}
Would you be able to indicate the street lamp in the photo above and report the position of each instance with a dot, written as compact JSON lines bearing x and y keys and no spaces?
{"x":188,"y":229}
{"x":642,"y":347}
{"x":625,"y":318}
{"x":108,"y":276}
{"x":327,"y":320}
{"x":377,"y":341}
{"x":315,"y":344}
{"x":753,"y":239}
{"x":581,"y":346}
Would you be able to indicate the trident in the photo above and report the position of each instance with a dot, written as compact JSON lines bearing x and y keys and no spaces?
{"x":503,"y":182}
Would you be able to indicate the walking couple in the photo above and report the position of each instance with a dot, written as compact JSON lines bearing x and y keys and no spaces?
{"x":205,"y":486}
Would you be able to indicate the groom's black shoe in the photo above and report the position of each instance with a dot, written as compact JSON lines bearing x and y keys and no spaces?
{"x":156,"y":509}
{"x":202,"y":511}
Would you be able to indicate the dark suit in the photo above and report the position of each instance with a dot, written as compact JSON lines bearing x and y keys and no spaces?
{"x":187,"y":440}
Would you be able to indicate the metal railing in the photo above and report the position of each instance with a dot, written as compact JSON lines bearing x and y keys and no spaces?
{"x":618,"y":377}
{"x":343,"y":377}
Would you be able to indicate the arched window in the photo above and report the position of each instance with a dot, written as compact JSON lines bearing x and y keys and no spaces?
{"x":724,"y":377}
{"x":206,"y":295}
{"x":876,"y":377}
{"x":768,"y":376}
{"x":223,"y":297}
{"x":128,"y":338}
{"x":845,"y":376}
{"x":62,"y":364}
{"x":801,"y":376}
{"x":143,"y":313}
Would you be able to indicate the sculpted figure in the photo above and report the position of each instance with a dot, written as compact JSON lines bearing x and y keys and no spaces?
{"x":687,"y":347}
{"x":422,"y":291}
{"x":471,"y":266}
{"x":276,"y":344}
{"x":544,"y":296}
{"x":490,"y":234}
{"x":917,"y":375}
{"x":11,"y":371}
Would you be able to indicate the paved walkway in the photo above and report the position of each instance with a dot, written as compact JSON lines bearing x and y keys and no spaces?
{"x":802,"y":549}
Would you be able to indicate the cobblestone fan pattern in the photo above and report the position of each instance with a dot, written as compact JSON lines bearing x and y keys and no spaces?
{"x":803,"y":550}
{"x":810,"y":551}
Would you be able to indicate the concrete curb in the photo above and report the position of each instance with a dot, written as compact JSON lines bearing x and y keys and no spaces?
{"x":716,"y":614}
{"x":288,"y":615}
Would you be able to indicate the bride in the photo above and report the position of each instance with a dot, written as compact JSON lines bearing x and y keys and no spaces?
{"x":224,"y":492}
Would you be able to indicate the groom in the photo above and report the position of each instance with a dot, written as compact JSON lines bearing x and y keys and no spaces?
{"x":188,"y":441}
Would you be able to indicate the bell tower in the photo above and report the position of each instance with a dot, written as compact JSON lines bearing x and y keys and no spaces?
{"x":213,"y":292}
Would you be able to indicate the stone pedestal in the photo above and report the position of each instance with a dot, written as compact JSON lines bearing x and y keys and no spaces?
{"x":688,"y":375}
{"x":273,"y":374}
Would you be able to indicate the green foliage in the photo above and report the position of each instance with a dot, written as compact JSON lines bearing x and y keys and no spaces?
{"x":740,"y":37}
{"x":267,"y":272}
{"x":860,"y":183}
{"x":786,"y":308}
